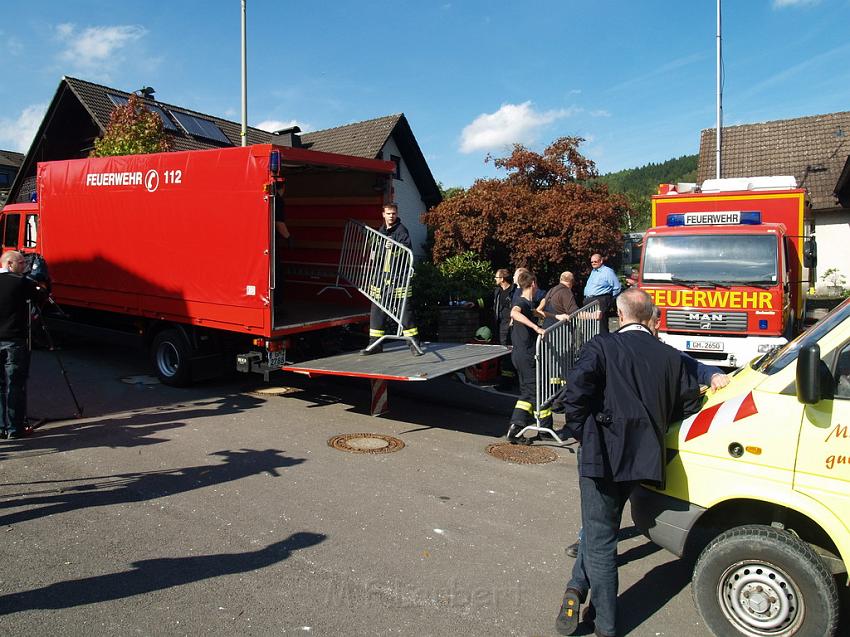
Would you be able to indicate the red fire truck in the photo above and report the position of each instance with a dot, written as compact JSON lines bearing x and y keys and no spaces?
{"x":179,"y":248}
{"x":725,"y":264}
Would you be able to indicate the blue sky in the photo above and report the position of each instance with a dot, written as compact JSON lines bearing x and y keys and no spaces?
{"x":635,"y":78}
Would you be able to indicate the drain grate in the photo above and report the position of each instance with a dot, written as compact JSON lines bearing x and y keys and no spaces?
{"x":366,"y":443}
{"x":521,"y":454}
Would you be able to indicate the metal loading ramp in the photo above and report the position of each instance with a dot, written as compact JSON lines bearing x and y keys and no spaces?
{"x":397,"y":363}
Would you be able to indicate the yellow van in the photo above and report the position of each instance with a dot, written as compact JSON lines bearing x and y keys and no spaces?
{"x":758,"y":486}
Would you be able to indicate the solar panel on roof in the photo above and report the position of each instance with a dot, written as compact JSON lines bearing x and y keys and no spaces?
{"x":120,"y":100}
{"x":200,"y":127}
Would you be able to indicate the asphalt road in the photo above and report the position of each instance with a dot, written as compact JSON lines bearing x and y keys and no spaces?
{"x":214,"y":510}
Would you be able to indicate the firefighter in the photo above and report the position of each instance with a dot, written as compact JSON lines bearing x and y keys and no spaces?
{"x":524,"y":332}
{"x":386,"y":288}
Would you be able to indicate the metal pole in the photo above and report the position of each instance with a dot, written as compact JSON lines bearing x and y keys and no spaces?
{"x":244,"y":134}
{"x":719,"y":93}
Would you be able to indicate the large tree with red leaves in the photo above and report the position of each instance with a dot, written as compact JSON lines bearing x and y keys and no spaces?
{"x":542,"y":215}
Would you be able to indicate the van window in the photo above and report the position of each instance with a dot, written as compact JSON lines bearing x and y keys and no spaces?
{"x":31,"y":231}
{"x":10,"y":231}
{"x":842,"y":374}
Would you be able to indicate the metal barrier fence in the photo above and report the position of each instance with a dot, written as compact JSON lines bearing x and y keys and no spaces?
{"x":556,"y":351}
{"x":379,"y":267}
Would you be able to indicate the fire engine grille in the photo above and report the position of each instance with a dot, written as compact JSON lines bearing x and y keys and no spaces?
{"x":694,"y":321}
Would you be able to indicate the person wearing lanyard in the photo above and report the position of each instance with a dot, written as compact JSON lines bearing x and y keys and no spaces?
{"x":602,"y":285}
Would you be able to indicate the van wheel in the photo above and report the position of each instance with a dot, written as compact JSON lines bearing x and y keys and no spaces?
{"x":763,"y":582}
{"x":170,"y":356}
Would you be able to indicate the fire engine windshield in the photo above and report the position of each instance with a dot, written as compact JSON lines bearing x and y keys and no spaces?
{"x":714,"y":258}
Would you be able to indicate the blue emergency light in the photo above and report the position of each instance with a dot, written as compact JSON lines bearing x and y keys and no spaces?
{"x":274,"y":163}
{"x":33,"y":197}
{"x":718,"y":218}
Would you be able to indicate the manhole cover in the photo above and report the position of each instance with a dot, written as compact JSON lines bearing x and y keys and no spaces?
{"x":264,"y":392}
{"x":366,"y":443}
{"x":522,"y":454}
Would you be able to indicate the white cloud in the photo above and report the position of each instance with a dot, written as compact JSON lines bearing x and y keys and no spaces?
{"x":781,"y":4}
{"x":17,"y":134}
{"x":272,"y":125}
{"x":511,"y":124}
{"x":603,"y":113}
{"x":97,"y":49}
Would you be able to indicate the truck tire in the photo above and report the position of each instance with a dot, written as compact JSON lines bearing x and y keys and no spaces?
{"x":170,"y":357}
{"x":763,"y":582}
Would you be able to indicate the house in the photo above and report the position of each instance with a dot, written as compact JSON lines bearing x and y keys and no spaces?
{"x":814,"y":150}
{"x":79,"y":113}
{"x":10,"y":162}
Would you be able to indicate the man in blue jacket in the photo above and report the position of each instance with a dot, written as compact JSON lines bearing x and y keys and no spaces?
{"x":619,"y":400}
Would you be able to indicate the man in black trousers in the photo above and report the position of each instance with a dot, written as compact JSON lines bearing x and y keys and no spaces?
{"x":619,"y":400}
{"x":15,"y":291}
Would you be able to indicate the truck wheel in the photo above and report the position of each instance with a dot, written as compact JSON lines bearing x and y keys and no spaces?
{"x":170,"y":356}
{"x":763,"y":582}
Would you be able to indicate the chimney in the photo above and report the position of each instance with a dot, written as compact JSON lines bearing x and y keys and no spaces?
{"x":288,"y":137}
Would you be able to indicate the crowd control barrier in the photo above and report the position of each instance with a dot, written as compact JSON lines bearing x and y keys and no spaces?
{"x":556,"y":351}
{"x":380,"y":268}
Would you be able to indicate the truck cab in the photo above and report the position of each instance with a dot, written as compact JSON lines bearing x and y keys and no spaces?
{"x":758,"y":486}
{"x":19,"y":224}
{"x":724,"y":263}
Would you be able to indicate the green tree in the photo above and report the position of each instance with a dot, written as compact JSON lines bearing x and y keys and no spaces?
{"x":545,"y":214}
{"x":132,"y":130}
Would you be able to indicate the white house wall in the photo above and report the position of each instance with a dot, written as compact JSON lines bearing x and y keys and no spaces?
{"x":410,"y":204}
{"x":832,"y":229}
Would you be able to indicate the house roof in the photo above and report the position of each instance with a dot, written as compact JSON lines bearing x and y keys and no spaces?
{"x":813,"y":149}
{"x":11,"y":158}
{"x":362,"y":139}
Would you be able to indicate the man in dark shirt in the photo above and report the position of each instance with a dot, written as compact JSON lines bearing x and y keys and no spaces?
{"x":619,"y":400}
{"x":524,"y":331}
{"x":394,"y":229}
{"x":502,"y":303}
{"x":15,"y":291}
{"x":559,"y":302}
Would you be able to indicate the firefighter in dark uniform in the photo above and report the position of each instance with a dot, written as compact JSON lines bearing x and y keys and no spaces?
{"x":524,"y":332}
{"x":502,"y":296}
{"x":385,"y":288}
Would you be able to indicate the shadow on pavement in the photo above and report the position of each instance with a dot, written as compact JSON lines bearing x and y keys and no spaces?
{"x":125,"y":430}
{"x":71,"y":495}
{"x":652,"y":592}
{"x":153,"y":575}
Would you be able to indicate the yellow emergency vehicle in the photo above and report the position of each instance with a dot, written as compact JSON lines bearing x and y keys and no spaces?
{"x":758,"y":486}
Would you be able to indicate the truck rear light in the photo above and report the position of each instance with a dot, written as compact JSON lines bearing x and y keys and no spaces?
{"x":259,"y":342}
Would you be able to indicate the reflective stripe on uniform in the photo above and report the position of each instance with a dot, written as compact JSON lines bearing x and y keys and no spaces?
{"x":413,"y":331}
{"x":375,"y":333}
{"x":524,"y":406}
{"x":544,"y":413}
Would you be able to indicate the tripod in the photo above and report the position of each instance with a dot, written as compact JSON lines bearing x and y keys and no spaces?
{"x":38,"y":315}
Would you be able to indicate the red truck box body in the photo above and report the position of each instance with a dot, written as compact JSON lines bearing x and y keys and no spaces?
{"x":189,"y":236}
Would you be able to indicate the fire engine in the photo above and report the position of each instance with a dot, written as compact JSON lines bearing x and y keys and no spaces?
{"x":725,"y":264}
{"x":180,"y":249}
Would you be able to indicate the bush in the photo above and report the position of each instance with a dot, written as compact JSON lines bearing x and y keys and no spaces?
{"x":463,"y":277}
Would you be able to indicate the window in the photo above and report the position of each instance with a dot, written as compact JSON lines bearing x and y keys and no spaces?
{"x":842,"y":374}
{"x":10,"y":231}
{"x":31,"y":231}
{"x":5,"y":179}
{"x":397,"y":161}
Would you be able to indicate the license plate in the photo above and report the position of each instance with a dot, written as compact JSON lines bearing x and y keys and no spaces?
{"x":705,"y":346}
{"x":276,"y":359}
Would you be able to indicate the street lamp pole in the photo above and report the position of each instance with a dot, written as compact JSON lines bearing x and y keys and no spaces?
{"x":244,"y":80}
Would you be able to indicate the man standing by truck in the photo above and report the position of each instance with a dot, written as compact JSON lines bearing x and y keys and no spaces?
{"x":603,"y":286}
{"x":15,"y":291}
{"x":394,"y":229}
{"x":619,"y":399}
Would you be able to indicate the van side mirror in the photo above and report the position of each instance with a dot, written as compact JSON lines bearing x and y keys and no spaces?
{"x":810,"y":253}
{"x":808,"y":375}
